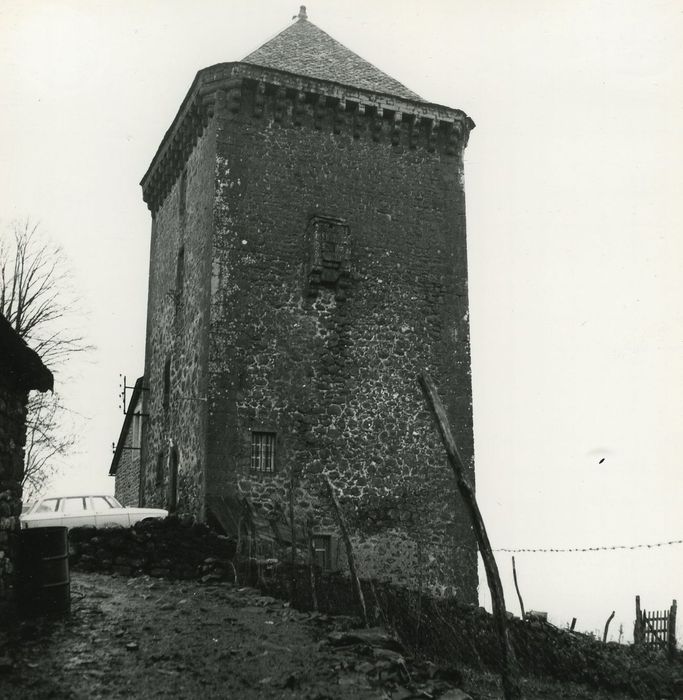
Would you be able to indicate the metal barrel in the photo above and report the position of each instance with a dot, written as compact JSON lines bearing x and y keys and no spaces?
{"x":43,"y":582}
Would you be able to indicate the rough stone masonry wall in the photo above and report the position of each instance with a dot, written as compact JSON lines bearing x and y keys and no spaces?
{"x":127,"y":483}
{"x":12,"y":440}
{"x":173,"y":547}
{"x":177,"y":330}
{"x":337,"y":379}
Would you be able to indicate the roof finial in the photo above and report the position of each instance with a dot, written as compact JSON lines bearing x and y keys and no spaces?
{"x":302,"y":12}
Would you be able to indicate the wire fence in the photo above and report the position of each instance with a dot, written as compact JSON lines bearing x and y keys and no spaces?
{"x":589,"y":549}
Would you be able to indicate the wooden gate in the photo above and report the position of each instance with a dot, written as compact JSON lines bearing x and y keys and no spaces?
{"x":655,"y":628}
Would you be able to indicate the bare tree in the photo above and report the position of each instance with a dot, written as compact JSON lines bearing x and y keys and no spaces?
{"x":48,"y":438}
{"x":36,"y":297}
{"x":35,"y":293}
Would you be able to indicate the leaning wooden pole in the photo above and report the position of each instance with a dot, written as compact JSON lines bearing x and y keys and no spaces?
{"x":510,"y":671}
{"x":341,"y":521}
{"x":519,"y":595}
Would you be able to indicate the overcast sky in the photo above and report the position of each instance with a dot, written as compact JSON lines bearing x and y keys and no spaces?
{"x":575,"y":212}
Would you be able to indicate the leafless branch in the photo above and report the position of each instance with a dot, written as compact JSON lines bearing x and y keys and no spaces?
{"x":36,"y":297}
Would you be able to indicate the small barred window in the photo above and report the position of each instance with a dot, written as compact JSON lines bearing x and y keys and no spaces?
{"x":262,"y":452}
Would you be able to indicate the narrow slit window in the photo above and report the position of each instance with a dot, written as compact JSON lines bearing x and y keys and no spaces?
{"x":167,"y":384}
{"x":159,"y":476}
{"x":263,"y":452}
{"x":180,"y":275}
{"x":182,"y":193}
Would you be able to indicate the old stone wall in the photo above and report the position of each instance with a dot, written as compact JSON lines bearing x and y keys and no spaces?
{"x":127,"y":483}
{"x":443,"y":629}
{"x":176,"y":353}
{"x":12,"y":440}
{"x":173,"y":548}
{"x":327,"y":358}
{"x":127,"y":460}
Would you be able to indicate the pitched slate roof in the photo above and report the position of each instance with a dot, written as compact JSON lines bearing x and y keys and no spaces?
{"x":21,"y":365}
{"x":304,"y":49}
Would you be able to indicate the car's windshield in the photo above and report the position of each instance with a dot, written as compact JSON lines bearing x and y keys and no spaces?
{"x":47,"y":505}
{"x":113,"y":502}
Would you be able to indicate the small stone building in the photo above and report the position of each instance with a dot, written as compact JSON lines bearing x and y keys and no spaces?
{"x":125,"y":464}
{"x":21,"y":370}
{"x":308,"y":261}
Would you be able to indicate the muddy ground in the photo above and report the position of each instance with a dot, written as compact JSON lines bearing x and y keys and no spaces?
{"x":148,"y":638}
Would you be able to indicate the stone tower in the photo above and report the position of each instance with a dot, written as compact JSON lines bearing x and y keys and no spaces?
{"x":308,"y":260}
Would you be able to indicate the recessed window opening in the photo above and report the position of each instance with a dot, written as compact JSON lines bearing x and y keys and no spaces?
{"x":182,"y":192}
{"x":180,"y":274}
{"x":159,"y":477}
{"x":137,"y":431}
{"x":262,"y":452}
{"x":167,"y":384}
{"x":322,"y":551}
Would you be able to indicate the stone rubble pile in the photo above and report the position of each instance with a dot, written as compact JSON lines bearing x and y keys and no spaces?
{"x":382,"y":662}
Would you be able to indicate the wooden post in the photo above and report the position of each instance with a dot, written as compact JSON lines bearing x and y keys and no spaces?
{"x":311,"y":562}
{"x":509,"y":671}
{"x":609,"y":619}
{"x":571,"y":628}
{"x":341,"y":521}
{"x":519,"y":595}
{"x":292,"y":532}
{"x":638,"y":628}
{"x":418,"y":628}
{"x":672,"y":631}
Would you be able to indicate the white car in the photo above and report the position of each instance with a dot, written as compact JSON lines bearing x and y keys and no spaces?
{"x":89,"y":511}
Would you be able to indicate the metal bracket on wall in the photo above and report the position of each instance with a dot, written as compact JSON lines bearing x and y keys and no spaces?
{"x":123,"y":396}
{"x":123,"y":385}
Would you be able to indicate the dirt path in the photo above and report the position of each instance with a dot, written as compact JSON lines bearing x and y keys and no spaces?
{"x":152,"y":638}
{"x":148,"y":638}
